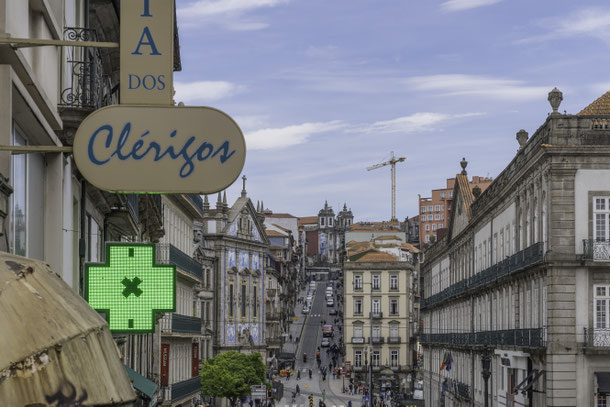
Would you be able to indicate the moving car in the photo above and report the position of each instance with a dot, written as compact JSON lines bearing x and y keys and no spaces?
{"x":312,"y":285}
{"x":330,"y":302}
{"x":327,"y":330}
{"x":325,"y":342}
{"x":329,"y":290}
{"x":305,"y":309}
{"x":332,"y":312}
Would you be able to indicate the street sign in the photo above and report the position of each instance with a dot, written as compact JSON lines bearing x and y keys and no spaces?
{"x":147,"y":52}
{"x":130,"y":288}
{"x":160,"y":149}
{"x":258,"y":392}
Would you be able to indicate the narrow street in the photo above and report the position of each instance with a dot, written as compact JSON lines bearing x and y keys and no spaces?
{"x":308,"y":343}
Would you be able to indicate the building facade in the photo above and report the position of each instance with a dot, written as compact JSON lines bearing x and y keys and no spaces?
{"x":434,"y":212}
{"x":520,"y":275}
{"x":237,"y":236}
{"x":377,"y":318}
{"x":324,"y":235}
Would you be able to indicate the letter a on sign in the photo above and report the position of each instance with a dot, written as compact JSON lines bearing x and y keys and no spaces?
{"x":147,"y":52}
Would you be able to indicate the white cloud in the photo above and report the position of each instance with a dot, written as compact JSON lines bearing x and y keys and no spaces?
{"x":480,"y":86}
{"x":276,"y":138}
{"x":206,"y":8}
{"x":587,"y":22}
{"x":459,"y":5}
{"x":204,"y":91}
{"x":228,"y":13}
{"x":417,"y":122}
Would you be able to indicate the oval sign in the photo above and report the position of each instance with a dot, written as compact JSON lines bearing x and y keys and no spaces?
{"x":162,"y":149}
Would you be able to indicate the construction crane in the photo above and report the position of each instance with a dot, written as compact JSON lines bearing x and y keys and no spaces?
{"x":392,"y":161}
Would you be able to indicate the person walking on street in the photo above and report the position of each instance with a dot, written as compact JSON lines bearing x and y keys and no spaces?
{"x":298,"y":389}
{"x":310,"y":372}
{"x":299,"y":374}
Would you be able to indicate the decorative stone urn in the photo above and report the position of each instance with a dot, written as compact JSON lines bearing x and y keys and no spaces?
{"x":555,"y":98}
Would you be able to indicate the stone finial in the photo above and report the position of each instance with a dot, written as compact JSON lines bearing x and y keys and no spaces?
{"x":476,"y":192}
{"x":219,"y":201}
{"x":555,"y":98}
{"x":243,"y":191}
{"x":522,"y":136}
{"x":206,"y":203}
{"x":464,"y":163}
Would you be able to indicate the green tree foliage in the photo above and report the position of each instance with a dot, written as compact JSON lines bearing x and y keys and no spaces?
{"x":231,"y":374}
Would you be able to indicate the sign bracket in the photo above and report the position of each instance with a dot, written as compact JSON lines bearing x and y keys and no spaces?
{"x":15,"y":150}
{"x":36,"y":42}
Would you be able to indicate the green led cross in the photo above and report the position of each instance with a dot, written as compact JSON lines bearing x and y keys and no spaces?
{"x":129,"y":288}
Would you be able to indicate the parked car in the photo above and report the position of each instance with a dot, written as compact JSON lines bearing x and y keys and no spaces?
{"x":332,"y":312}
{"x":330,"y":302}
{"x":328,"y":330}
{"x":305,"y":309}
{"x":325,"y":342}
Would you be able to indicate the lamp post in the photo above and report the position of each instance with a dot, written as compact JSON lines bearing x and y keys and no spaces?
{"x":486,"y":364}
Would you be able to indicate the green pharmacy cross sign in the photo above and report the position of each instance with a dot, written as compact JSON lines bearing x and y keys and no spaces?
{"x":130,"y":288}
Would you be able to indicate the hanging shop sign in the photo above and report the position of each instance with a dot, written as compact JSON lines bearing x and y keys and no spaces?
{"x":130,"y":288}
{"x":147,"y":52}
{"x":160,"y":149}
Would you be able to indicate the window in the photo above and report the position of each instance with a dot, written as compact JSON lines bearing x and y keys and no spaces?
{"x":437,"y":208}
{"x":442,"y":207}
{"x":430,"y":217}
{"x":230,"y":300}
{"x":357,"y":306}
{"x":423,"y":209}
{"x":357,"y":330}
{"x":442,"y":216}
{"x":357,"y":282}
{"x":443,"y":194}
{"x":434,"y":226}
{"x":427,"y":239}
{"x":437,"y":216}
{"x":376,"y":332}
{"x":243,"y":300}
{"x":94,"y":240}
{"x":394,"y":358}
{"x":440,"y":226}
{"x":376,"y":305}
{"x":393,"y":282}
{"x":602,"y":400}
{"x":376,"y":279}
{"x":393,"y":306}
{"x":254,"y":302}
{"x":393,"y":330}
{"x":375,"y":358}
{"x":600,"y":304}
{"x":322,"y":221}
{"x":330,"y":221}
{"x":601,"y":218}
{"x":429,"y":208}
{"x":18,"y":199}
{"x":358,"y":358}
{"x":450,"y":194}
{"x":427,"y":227}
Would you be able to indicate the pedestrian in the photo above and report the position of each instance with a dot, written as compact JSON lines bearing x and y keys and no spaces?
{"x":351,"y":388}
{"x":349,"y":403}
{"x":310,"y":373}
{"x":299,"y":374}
{"x":330,"y":366}
{"x":298,"y":389}
{"x":287,"y":375}
{"x":334,"y":374}
{"x":290,"y":337}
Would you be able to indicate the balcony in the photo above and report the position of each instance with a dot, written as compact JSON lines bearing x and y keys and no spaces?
{"x":597,"y":338}
{"x":177,"y":323}
{"x":514,"y":264}
{"x":358,"y":339}
{"x":461,"y":390}
{"x":396,"y":368}
{"x":526,"y":338}
{"x":377,"y":339}
{"x":358,"y":368}
{"x":596,"y":250}
{"x":393,"y":339}
{"x":376,"y":315}
{"x":85,"y":86}
{"x":169,"y":254}
{"x":182,"y":390}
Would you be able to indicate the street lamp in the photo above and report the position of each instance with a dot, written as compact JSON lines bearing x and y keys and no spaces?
{"x":486,"y":364}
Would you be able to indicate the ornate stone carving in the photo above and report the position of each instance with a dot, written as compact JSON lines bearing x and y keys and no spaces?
{"x":522,"y":136}
{"x":555,"y":98}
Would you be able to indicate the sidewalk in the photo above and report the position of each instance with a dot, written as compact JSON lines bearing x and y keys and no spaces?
{"x":296,"y":328}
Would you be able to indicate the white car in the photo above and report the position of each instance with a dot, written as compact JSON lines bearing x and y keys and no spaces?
{"x":305,"y":309}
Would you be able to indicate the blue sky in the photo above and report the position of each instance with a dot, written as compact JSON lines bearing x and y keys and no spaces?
{"x":324,"y":88}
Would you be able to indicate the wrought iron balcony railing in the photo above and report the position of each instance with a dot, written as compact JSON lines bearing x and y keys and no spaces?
{"x":597,"y":338}
{"x":393,"y":339}
{"x":458,"y":388}
{"x":183,"y":389}
{"x":85,"y":86}
{"x":528,"y":338}
{"x":376,"y":314}
{"x":177,"y":323}
{"x":519,"y":261}
{"x":596,"y":250}
{"x":358,"y":339}
{"x":168,"y":253}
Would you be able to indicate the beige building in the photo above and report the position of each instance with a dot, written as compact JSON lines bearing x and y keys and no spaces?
{"x":378,"y":316}
{"x":523,"y":272}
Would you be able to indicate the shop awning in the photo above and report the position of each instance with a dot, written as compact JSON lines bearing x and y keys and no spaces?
{"x":141,"y":383}
{"x":603,"y":382}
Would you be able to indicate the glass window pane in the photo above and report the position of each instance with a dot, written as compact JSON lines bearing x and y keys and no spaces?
{"x":18,"y":208}
{"x":600,"y":314}
{"x":600,"y":226}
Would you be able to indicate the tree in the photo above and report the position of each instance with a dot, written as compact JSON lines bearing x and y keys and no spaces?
{"x":231,"y":374}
